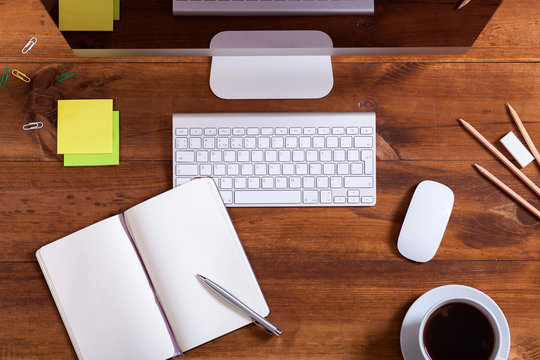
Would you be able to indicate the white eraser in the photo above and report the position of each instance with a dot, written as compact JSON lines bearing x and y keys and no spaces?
{"x":517,"y":149}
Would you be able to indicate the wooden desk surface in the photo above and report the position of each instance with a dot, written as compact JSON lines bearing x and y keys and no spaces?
{"x":333,"y":277}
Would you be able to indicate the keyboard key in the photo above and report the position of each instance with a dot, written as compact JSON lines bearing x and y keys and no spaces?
{"x":309,"y":182}
{"x":182,"y":180}
{"x":238,"y":131}
{"x":281,"y":131}
{"x":345,"y":142}
{"x":357,"y":169}
{"x":323,"y":131}
{"x":233,"y":169}
{"x":315,"y":169}
{"x":325,"y":155}
{"x":295,"y":131}
{"x":301,"y":169}
{"x":223,"y":143}
{"x":236,"y":143}
{"x":181,"y":132}
{"x":210,"y":131}
{"x":318,"y":142}
{"x":260,"y":169}
{"x":343,"y":169}
{"x":274,"y":169}
{"x":186,"y":170}
{"x":181,"y":143}
{"x":215,"y":156}
{"x":326,"y":196}
{"x":339,"y":199}
{"x":291,"y":142}
{"x":247,"y":169}
{"x":312,"y":155}
{"x":338,"y":131}
{"x":270,"y":155}
{"x":311,"y":197}
{"x":281,"y":183}
{"x":257,"y":155}
{"x":267,"y":131}
{"x":298,"y":155}
{"x":264,"y":143}
{"x":284,"y":155}
{"x":226,"y":196}
{"x":268,"y":197}
{"x":249,"y":142}
{"x":339,"y":155}
{"x":363,"y":141}
{"x":253,"y":131}
{"x":185,"y":156}
{"x":353,"y":199}
{"x":329,"y":169}
{"x":353,"y":155}
{"x":206,"y":170}
{"x":322,"y":182}
{"x":229,"y":155}
{"x":224,"y":131}
{"x":353,"y":192}
{"x":335,"y":182}
{"x":219,"y":169}
{"x":288,"y":169}
{"x":277,"y":142}
{"x":305,"y":142}
{"x":358,"y":181}
{"x":294,"y":182}
{"x":226,"y":183}
{"x":253,"y":183}
{"x":209,"y":143}
{"x":310,"y":131}
{"x":240,"y":183}
{"x":195,"y":143}
{"x":366,"y":131}
{"x":367,"y":158}
{"x":352,"y":131}
{"x":196,"y":132}
{"x":332,"y":142}
{"x":367,"y":199}
{"x":243,"y":156}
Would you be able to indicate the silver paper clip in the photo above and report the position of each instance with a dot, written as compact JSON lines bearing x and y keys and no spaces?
{"x":33,"y":126}
{"x":29,"y":45}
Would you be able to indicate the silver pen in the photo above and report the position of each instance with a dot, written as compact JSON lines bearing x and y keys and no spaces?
{"x":231,"y":299}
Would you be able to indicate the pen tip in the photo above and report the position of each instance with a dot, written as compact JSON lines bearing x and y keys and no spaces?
{"x":200,"y":277}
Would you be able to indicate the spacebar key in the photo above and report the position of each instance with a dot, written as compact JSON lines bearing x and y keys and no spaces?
{"x":267,"y":197}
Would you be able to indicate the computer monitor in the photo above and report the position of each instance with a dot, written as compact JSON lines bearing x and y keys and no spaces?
{"x":396,"y":27}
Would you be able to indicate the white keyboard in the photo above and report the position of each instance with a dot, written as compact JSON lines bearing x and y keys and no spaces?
{"x":279,"y":159}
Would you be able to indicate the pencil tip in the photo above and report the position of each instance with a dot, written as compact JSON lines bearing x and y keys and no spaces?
{"x":462,"y":121}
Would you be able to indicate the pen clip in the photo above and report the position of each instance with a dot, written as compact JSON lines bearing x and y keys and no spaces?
{"x":33,"y":125}
{"x":276,"y":332}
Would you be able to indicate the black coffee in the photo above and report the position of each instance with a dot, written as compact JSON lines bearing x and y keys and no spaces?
{"x":458,"y":331}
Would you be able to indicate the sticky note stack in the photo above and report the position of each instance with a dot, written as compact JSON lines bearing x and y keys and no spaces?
{"x":88,"y":15}
{"x":88,"y":132}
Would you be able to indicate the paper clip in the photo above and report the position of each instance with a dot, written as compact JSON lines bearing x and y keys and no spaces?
{"x":29,"y":45}
{"x":20,"y":75}
{"x":5,"y":76}
{"x":66,"y":76}
{"x":33,"y":125}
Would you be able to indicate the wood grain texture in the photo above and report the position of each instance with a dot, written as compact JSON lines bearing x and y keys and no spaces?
{"x":333,"y":277}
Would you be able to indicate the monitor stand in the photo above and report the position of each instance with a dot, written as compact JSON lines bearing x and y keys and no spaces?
{"x":265,"y":70}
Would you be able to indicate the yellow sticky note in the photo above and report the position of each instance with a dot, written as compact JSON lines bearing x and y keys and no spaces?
{"x":86,"y":15}
{"x":85,"y":126}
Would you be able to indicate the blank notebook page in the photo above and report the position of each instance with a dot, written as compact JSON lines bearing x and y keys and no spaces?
{"x":103,"y":295}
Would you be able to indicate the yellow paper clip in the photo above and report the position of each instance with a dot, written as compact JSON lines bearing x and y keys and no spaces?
{"x":5,"y":76}
{"x":20,"y":75}
{"x":33,"y":125}
{"x":29,"y":45}
{"x":66,"y":76}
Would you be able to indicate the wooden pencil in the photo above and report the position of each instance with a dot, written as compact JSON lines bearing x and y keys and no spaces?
{"x":509,"y":191}
{"x":463,"y":3}
{"x":524,"y":133}
{"x":501,"y":157}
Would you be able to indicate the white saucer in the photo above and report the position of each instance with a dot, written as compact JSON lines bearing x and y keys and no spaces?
{"x":410,"y":349}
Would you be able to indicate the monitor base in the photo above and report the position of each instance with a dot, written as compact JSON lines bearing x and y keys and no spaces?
{"x":271,"y":76}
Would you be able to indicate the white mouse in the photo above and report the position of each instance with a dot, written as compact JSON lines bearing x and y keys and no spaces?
{"x":425,"y":221}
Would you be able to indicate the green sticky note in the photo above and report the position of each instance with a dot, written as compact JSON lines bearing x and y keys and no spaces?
{"x":86,"y":15}
{"x":99,"y":159}
{"x":116,"y":10}
{"x":85,"y":126}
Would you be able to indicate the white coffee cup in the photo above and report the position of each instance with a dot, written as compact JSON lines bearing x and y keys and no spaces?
{"x":496,"y":353}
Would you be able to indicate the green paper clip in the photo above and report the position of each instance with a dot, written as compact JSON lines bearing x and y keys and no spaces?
{"x":5,"y":77}
{"x":66,"y":76}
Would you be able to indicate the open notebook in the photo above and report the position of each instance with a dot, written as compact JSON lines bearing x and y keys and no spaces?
{"x":106,"y":301}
